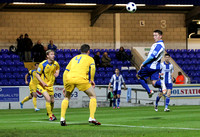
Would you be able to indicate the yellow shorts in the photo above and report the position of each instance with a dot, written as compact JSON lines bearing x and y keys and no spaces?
{"x":82,"y":84}
{"x":32,"y":88}
{"x":43,"y":89}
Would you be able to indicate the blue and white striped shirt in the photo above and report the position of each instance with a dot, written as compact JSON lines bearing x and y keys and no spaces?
{"x":157,"y":51}
{"x":167,"y":70}
{"x":117,"y":82}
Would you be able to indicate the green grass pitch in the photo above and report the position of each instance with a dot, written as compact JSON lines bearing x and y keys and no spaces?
{"x":182,"y":121}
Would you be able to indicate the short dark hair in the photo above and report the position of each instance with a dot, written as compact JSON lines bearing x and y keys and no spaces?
{"x":117,"y":68}
{"x":85,"y":48}
{"x":167,"y":54}
{"x":36,"y":64}
{"x":48,"y":51}
{"x":158,"y":31}
{"x":179,"y":73}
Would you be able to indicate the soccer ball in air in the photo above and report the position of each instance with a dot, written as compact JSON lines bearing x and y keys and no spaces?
{"x":131,"y":7}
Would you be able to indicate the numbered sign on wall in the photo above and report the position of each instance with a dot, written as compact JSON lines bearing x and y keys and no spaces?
{"x":142,"y":23}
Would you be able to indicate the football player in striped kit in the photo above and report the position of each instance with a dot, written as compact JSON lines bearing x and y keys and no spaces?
{"x":166,"y":75}
{"x":117,"y":81}
{"x":151,"y":66}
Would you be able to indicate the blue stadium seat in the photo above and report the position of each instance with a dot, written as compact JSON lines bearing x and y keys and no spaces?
{"x":112,"y":55}
{"x":75,"y":51}
{"x":91,"y":51}
{"x":5,"y":56}
{"x":15,"y":57}
{"x":4,"y":51}
{"x":111,"y":50}
{"x":91,"y":55}
{"x":107,"y":75}
{"x":59,"y":51}
{"x":2,"y":76}
{"x":183,"y":50}
{"x":185,"y":56}
{"x":107,"y":80}
{"x":21,"y":82}
{"x":6,"y":69}
{"x":101,"y":75}
{"x":74,"y":54}
{"x":66,"y":51}
{"x":60,"y":56}
{"x":2,"y":63}
{"x":192,"y":55}
{"x":119,"y":63}
{"x":103,"y":50}
{"x":96,"y":50}
{"x":68,"y":56}
{"x":180,"y":62}
{"x":5,"y":82}
{"x":178,"y":55}
{"x":100,"y":69}
{"x":14,"y":82}
{"x":109,"y":69}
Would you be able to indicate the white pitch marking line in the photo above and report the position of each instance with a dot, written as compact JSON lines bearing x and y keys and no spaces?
{"x":124,"y":125}
{"x":151,"y":127}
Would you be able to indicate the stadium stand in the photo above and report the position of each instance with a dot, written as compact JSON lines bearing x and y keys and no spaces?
{"x":188,"y":60}
{"x":12,"y":71}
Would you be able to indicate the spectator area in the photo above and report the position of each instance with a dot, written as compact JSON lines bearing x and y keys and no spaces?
{"x":12,"y":71}
{"x":189,"y":61}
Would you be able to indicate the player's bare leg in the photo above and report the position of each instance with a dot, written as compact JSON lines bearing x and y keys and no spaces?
{"x":34,"y":95}
{"x":167,"y":100}
{"x":25,"y":100}
{"x":64,"y":107}
{"x":52,"y":105}
{"x":157,"y":100}
{"x":92,"y":106}
{"x":114,"y":101}
{"x":118,"y":100}
{"x":48,"y":106}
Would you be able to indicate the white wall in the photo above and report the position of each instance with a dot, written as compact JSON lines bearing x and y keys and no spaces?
{"x":181,"y":95}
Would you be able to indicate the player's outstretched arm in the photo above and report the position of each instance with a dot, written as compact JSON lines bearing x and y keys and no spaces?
{"x":57,"y":73}
{"x":40,"y":80}
{"x":26,"y":77}
{"x":109,"y":86}
{"x":124,"y":86}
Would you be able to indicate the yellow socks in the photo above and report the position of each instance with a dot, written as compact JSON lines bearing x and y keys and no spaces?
{"x":48,"y":107}
{"x":35,"y":102}
{"x":52,"y":105}
{"x":64,"y":107}
{"x":92,"y":106}
{"x":25,"y":99}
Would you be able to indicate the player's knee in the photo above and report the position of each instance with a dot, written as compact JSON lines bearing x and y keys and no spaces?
{"x":138,"y":77}
{"x":30,"y":97}
{"x":153,"y":83}
{"x":48,"y":100}
{"x":168,"y":95}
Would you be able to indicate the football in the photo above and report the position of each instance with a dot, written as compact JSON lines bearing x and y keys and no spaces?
{"x":131,"y":7}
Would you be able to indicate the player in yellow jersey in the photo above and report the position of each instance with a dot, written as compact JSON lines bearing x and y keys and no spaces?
{"x":32,"y":87}
{"x":47,"y":71}
{"x":76,"y":75}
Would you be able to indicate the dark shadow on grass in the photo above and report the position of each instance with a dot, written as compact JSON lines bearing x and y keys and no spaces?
{"x":155,"y":118}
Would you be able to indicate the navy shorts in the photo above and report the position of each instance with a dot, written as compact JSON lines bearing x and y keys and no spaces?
{"x":168,"y":86}
{"x":117,"y":92}
{"x":146,"y":72}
